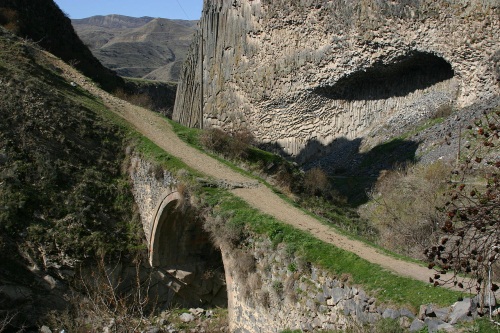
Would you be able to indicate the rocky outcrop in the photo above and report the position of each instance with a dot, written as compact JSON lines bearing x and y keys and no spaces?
{"x":301,"y":75}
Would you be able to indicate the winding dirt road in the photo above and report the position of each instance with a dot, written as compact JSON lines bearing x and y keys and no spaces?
{"x":159,"y":131}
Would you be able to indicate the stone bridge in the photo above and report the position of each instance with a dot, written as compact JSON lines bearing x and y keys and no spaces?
{"x":253,"y":280}
{"x":180,"y":250}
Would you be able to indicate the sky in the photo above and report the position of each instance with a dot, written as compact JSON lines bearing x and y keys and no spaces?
{"x":172,"y":9}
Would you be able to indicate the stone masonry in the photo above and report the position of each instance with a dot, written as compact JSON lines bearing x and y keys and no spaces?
{"x":281,"y":291}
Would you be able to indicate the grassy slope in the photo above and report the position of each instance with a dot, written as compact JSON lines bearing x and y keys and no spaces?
{"x":61,"y":178}
{"x":388,"y":287}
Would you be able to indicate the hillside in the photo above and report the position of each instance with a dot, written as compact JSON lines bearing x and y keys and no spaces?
{"x":61,"y":186}
{"x":146,"y":47}
{"x":44,"y":23}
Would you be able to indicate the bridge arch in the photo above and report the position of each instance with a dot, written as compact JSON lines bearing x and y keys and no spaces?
{"x":165,"y":210}
{"x":184,"y":253}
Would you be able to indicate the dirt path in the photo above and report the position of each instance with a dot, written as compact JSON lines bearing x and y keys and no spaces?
{"x":155,"y":128}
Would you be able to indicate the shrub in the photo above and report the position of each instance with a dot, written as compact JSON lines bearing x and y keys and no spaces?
{"x":233,"y":146}
{"x":215,"y":140}
{"x":316,"y":182}
{"x":284,"y":177}
{"x":106,"y":302}
{"x":471,"y":214}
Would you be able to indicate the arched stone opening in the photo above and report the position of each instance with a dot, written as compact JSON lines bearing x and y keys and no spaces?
{"x":184,"y":255}
{"x":415,"y":71}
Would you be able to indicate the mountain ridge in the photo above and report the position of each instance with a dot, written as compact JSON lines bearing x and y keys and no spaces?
{"x":145,"y":47}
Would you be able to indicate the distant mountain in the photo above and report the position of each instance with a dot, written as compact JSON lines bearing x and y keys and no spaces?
{"x":145,"y":47}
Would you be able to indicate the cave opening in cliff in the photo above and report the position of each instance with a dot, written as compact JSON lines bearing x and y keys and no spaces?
{"x":415,"y":71}
{"x":188,"y":258}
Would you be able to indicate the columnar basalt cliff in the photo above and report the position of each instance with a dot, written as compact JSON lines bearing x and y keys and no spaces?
{"x":301,"y":74}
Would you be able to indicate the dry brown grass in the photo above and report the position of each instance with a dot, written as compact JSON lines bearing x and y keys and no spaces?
{"x":142,"y":100}
{"x":105,"y":303}
{"x":244,"y":263}
{"x":404,"y":207}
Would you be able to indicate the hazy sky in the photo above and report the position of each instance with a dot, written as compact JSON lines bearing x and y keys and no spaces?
{"x":173,"y":9}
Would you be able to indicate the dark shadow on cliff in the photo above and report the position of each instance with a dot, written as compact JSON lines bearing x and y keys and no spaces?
{"x":415,"y":71}
{"x":353,"y":173}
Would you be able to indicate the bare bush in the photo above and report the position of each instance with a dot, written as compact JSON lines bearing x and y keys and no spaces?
{"x":232,"y":146}
{"x":221,"y":231}
{"x":471,"y":214}
{"x":316,"y":182}
{"x":285,"y":178}
{"x":104,"y":302}
{"x":403,"y":207}
{"x":5,"y":320}
{"x":214,"y":139}
{"x":242,"y":139}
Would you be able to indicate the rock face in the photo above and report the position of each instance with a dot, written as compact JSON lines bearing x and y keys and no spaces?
{"x":303,"y":74}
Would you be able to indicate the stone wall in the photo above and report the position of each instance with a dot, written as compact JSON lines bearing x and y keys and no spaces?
{"x":266,"y":287}
{"x":271,"y":290}
{"x":151,"y":183}
{"x":279,"y":67}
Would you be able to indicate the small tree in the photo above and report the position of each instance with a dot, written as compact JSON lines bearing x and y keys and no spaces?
{"x":471,"y":230}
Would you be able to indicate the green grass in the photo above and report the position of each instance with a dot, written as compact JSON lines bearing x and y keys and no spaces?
{"x":186,"y":134}
{"x":386,"y":286}
{"x":140,"y":142}
{"x":150,"y":150}
{"x":427,"y":124}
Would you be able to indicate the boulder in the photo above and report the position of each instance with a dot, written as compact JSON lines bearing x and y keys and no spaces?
{"x":186,"y":317}
{"x":391,"y":313}
{"x":417,"y":325}
{"x":462,"y":311}
{"x":435,"y":325}
{"x":45,"y":329}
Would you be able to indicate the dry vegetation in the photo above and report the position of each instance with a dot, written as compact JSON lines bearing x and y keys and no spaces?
{"x":230,"y":145}
{"x":142,"y":100}
{"x":404,"y":207}
{"x":471,"y":213}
